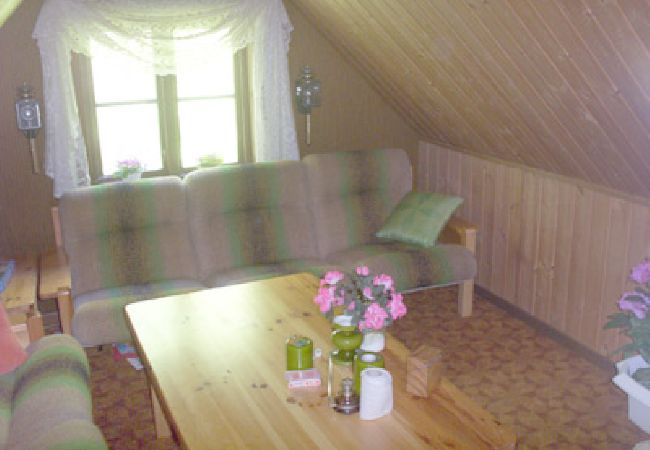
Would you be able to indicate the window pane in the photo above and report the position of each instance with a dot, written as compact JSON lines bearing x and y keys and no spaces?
{"x":215,"y":77}
{"x":207,"y":127}
{"x":118,"y":78}
{"x":129,"y":131}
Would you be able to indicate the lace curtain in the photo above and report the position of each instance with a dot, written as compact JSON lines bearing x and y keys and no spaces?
{"x":156,"y":32}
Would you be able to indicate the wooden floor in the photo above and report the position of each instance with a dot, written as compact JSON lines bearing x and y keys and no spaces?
{"x":549,"y":395}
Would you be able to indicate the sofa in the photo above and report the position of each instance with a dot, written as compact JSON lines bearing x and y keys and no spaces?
{"x":45,"y":402}
{"x":131,"y":241}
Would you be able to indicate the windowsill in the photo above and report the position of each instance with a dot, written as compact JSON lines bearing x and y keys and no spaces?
{"x":113,"y":179}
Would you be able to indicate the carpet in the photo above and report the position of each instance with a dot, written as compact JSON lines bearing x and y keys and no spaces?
{"x":549,"y":395}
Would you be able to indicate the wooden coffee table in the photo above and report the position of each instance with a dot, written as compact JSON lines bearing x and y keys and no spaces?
{"x":216,"y":360}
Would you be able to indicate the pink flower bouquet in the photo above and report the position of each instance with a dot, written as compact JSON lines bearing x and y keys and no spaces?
{"x":634,"y":319}
{"x":371,"y":301}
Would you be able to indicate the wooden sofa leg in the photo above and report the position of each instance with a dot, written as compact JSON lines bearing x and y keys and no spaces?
{"x":34,"y":325}
{"x":465,"y":298}
{"x":64,"y":301}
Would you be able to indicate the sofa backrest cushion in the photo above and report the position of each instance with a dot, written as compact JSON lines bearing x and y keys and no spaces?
{"x":352,"y":194}
{"x":248,"y":214}
{"x":126,"y":233}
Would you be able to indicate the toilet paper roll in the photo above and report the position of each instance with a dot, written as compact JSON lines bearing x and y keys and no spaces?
{"x":376,"y":393}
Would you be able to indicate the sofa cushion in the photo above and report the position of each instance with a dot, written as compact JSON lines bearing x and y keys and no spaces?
{"x":50,"y":389}
{"x":245,"y":274}
{"x":123,"y":234}
{"x":412,"y":266}
{"x":419,"y":218}
{"x":352,"y":194}
{"x":262,"y":271}
{"x":99,"y":316}
{"x":249,"y":215}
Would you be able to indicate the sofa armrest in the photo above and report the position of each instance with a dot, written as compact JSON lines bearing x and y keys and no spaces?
{"x":459,"y":231}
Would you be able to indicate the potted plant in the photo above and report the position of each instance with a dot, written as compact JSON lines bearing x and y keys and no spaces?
{"x":367,"y":302}
{"x":129,"y":169}
{"x":210,"y":160}
{"x":634,"y":372}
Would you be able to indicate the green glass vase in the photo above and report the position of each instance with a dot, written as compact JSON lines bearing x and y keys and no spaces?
{"x":346,"y":338}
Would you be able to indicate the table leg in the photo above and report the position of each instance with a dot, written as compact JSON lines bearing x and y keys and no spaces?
{"x":162,"y":428}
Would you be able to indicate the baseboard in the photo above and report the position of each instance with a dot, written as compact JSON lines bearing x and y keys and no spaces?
{"x":565,"y":340}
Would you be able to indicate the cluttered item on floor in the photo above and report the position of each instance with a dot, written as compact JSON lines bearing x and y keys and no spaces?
{"x":6,"y":271}
{"x":126,"y":351}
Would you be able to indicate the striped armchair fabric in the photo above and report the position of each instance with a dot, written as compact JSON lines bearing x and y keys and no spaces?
{"x":45,"y":403}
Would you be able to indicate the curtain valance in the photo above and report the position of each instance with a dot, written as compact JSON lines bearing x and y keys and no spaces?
{"x":157,"y":32}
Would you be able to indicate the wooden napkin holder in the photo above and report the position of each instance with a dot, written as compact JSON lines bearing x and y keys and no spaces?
{"x":423,"y":371}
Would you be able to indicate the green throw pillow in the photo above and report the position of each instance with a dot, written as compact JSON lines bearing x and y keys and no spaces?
{"x":419,"y":218}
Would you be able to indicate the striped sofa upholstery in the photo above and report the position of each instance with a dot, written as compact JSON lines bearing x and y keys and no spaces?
{"x":125,"y":242}
{"x":352,"y":194}
{"x":235,"y":223}
{"x":249,"y":221}
{"x":412,"y":267}
{"x":45,"y":403}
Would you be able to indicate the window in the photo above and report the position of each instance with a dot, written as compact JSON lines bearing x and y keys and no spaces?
{"x":167,"y":122}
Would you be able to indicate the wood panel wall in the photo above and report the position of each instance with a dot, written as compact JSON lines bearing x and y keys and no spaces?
{"x":352,"y":116}
{"x":558,"y":249}
{"x":25,"y":198}
{"x":559,"y":85}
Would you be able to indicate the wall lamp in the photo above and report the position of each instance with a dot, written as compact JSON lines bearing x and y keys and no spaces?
{"x":28,"y":118}
{"x":307,"y":96}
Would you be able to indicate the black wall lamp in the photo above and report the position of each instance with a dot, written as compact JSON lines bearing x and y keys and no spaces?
{"x":307,"y":96}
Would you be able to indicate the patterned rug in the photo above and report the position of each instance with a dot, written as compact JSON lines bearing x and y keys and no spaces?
{"x":551,"y":397}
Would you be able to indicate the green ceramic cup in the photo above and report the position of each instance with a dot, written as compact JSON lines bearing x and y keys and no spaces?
{"x":364,"y":360}
{"x":300,"y":353}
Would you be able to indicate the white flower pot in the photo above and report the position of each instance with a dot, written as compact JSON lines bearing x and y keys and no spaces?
{"x":373,"y":341}
{"x":135,"y":176}
{"x":637,"y":395}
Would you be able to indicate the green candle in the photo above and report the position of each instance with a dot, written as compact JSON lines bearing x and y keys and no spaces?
{"x":300,"y":353}
{"x":362,"y":361}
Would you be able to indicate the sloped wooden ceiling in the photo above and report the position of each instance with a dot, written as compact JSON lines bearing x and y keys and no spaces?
{"x":7,"y":7}
{"x":562,"y":85}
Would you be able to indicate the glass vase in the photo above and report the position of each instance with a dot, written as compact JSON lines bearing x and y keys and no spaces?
{"x":346,"y":338}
